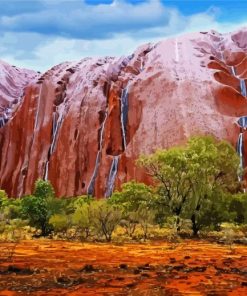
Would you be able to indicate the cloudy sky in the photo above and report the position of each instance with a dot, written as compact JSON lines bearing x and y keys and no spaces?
{"x":38,"y":34}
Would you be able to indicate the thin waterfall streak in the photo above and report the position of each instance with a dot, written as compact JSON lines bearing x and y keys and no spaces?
{"x":102,"y":130}
{"x":240,"y":153}
{"x":50,"y":149}
{"x":37,"y":111}
{"x":90,"y":188}
{"x":243,"y":121}
{"x":112,"y":176}
{"x":56,"y":127}
{"x":243,"y":87}
{"x":233,"y":71}
{"x":46,"y":170}
{"x":142,"y":64}
{"x":124,"y":113}
{"x":5,"y":116}
{"x":241,"y":82}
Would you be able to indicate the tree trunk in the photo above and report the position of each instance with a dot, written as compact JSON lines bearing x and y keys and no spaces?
{"x":195,"y":227}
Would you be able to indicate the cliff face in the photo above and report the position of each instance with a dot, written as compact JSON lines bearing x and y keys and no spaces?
{"x":12,"y":83}
{"x":82,"y":125}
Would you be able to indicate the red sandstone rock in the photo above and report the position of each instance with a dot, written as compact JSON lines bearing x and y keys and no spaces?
{"x":178,"y":88}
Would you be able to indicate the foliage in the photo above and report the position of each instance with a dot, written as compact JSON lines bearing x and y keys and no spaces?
{"x":187,"y":177}
{"x":105,"y":217}
{"x":43,"y":189}
{"x":195,"y":188}
{"x":137,"y":201}
{"x":133,"y":196}
{"x":59,"y":222}
{"x":38,"y":208}
{"x":82,"y":218}
{"x":238,"y":206}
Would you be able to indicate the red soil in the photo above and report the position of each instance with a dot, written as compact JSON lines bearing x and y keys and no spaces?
{"x":188,"y":268}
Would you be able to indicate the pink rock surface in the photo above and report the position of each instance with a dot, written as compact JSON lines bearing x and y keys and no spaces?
{"x":177,"y":88}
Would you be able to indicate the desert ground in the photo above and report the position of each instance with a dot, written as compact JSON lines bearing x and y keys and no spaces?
{"x":45,"y":267}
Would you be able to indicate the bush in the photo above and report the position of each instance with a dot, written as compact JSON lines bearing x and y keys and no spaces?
{"x":105,"y":218}
{"x":60,"y":223}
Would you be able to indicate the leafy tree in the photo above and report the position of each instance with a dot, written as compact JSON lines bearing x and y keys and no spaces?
{"x":38,"y":208}
{"x":3,"y":199}
{"x":82,"y":218}
{"x":214,"y":210}
{"x":188,"y":176}
{"x":238,"y":205}
{"x":132,"y":196}
{"x":145,"y":217}
{"x":43,"y":189}
{"x":105,"y":217}
{"x":59,"y":222}
{"x":137,"y":200}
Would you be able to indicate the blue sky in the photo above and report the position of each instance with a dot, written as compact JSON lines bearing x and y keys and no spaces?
{"x":41,"y":33}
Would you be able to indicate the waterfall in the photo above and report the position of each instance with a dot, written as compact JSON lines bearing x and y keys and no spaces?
{"x":46,"y":170}
{"x":243,"y":87}
{"x":1,"y":122}
{"x":4,"y":118}
{"x":142,"y":64}
{"x":233,"y":71}
{"x":112,"y":176}
{"x":90,"y":189}
{"x":240,"y":153}
{"x":241,"y":81}
{"x":56,"y":124}
{"x":37,"y":111}
{"x":242,"y":122}
{"x":124,"y":113}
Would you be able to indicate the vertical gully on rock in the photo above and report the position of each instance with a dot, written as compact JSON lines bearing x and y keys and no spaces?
{"x":241,"y":81}
{"x":124,"y":113}
{"x":240,"y":153}
{"x":112,"y":176}
{"x":142,"y":64}
{"x":124,"y":118}
{"x":242,"y":122}
{"x":90,"y":189}
{"x":243,"y":87}
{"x":4,"y":117}
{"x":37,"y":111}
{"x":56,"y":124}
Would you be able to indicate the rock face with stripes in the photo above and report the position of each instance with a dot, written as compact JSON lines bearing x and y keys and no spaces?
{"x":82,"y":125}
{"x":12,"y":83}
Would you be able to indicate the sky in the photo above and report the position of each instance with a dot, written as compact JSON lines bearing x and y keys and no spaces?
{"x":38,"y":34}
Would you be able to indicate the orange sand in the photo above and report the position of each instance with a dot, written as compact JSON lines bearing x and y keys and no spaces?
{"x":155,"y":269}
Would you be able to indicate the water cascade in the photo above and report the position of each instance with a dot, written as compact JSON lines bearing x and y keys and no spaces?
{"x":90,"y":189}
{"x":112,"y":176}
{"x":37,"y":111}
{"x":56,"y":124}
{"x":142,"y":64}
{"x":241,"y":81}
{"x":242,"y":122}
{"x":243,"y":87}
{"x":4,"y":117}
{"x":240,"y":153}
{"x":233,"y":71}
{"x":124,"y":113}
{"x":124,"y":119}
{"x":46,"y":170}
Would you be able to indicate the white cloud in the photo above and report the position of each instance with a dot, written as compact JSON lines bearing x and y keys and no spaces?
{"x":40,"y":51}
